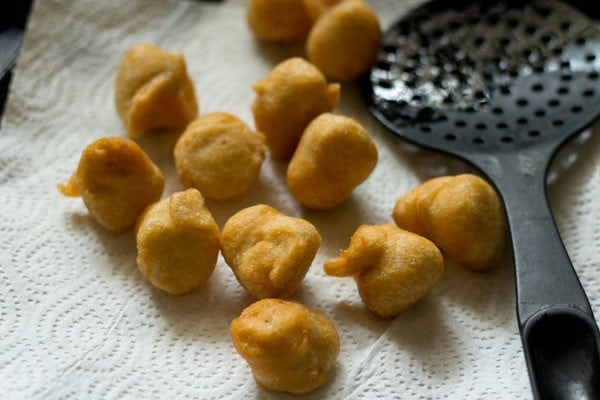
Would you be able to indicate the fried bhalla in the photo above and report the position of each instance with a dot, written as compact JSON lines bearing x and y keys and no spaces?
{"x":334,"y":156}
{"x":292,"y":95}
{"x":269,"y":252}
{"x":345,"y":40}
{"x":461,"y":214}
{"x":289,"y":347}
{"x":219,"y":155}
{"x":278,"y":20}
{"x":177,"y":243}
{"x":116,"y":181}
{"x":393,"y":268}
{"x":153,"y":91}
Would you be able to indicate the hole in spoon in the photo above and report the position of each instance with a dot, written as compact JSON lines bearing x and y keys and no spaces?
{"x":530,"y":30}
{"x":566,"y":78}
{"x":538,"y":87}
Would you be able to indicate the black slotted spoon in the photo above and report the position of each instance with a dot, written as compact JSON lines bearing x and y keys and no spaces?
{"x":502,"y":85}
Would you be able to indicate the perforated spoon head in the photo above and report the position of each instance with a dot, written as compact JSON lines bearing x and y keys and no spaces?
{"x":487,"y":76}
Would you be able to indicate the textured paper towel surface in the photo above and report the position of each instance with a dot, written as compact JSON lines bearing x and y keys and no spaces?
{"x":77,"y":320}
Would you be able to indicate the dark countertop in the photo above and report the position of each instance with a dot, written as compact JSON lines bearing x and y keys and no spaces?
{"x":13,"y":18}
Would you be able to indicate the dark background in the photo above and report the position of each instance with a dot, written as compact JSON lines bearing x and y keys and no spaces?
{"x":13,"y":18}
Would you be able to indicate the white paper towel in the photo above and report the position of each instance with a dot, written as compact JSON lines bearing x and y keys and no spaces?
{"x":77,"y":320}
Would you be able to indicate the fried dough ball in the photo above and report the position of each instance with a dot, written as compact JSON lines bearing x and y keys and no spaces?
{"x":269,"y":252}
{"x":316,"y":8}
{"x":289,"y":347}
{"x":219,"y":155}
{"x":393,"y":268}
{"x":462,"y":214}
{"x":291,"y":96}
{"x":345,"y":40}
{"x":116,"y":181}
{"x":177,"y":243}
{"x":153,"y":91}
{"x":278,"y":20}
{"x":334,"y":156}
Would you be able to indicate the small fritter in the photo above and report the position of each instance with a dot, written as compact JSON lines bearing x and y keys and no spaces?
{"x":461,"y":214}
{"x":334,"y":156}
{"x":278,"y":20}
{"x":269,"y":252}
{"x":153,"y":91}
{"x":219,"y":155}
{"x":177,"y":243}
{"x":287,"y":100}
{"x":345,"y":40}
{"x":116,"y":181}
{"x":289,"y":347}
{"x":393,"y":268}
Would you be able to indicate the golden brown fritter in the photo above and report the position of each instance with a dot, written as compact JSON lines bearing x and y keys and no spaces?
{"x":345,"y":40}
{"x":153,"y":91}
{"x":289,"y":347}
{"x":287,"y":100}
{"x":393,"y":268}
{"x":177,"y":243}
{"x":269,"y":252}
{"x":219,"y":155}
{"x":461,"y":214}
{"x":116,"y":181}
{"x":278,"y":20}
{"x":334,"y":156}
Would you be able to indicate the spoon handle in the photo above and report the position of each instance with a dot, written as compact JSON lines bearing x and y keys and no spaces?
{"x":560,"y":336}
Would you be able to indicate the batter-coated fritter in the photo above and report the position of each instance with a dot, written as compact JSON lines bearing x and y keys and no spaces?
{"x":289,"y":347}
{"x":393,"y":268}
{"x":177,"y":243}
{"x":269,"y":252}
{"x":345,"y":40}
{"x":116,"y":181}
{"x":153,"y":91}
{"x":461,"y":214}
{"x":334,"y":156}
{"x":287,"y":100}
{"x":278,"y":20}
{"x":219,"y":155}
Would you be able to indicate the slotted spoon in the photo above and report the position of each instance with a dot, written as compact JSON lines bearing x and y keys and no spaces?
{"x":502,"y":85}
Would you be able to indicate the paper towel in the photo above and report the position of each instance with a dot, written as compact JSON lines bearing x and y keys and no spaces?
{"x":77,"y":320}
